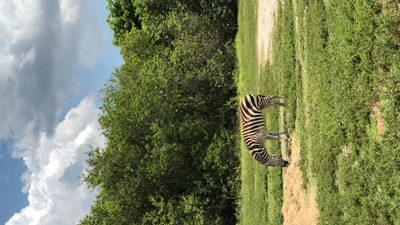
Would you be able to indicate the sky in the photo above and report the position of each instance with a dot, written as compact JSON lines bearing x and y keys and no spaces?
{"x":54,"y":58}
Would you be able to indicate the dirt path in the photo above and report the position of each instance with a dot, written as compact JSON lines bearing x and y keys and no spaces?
{"x":299,"y":206}
{"x":265,"y":25}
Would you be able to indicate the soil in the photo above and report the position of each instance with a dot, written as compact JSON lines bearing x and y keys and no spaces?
{"x":380,"y":126}
{"x":299,"y":205}
{"x":265,"y":25}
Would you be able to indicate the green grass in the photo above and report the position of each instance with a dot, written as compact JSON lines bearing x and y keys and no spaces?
{"x":344,"y":57}
{"x":254,"y":188}
{"x":344,"y":46}
{"x":261,"y":187}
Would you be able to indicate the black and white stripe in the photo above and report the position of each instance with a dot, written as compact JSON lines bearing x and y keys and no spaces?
{"x":253,"y":128}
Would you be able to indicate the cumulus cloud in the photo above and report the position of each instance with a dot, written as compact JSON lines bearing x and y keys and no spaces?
{"x":56,"y":194}
{"x":42,"y":43}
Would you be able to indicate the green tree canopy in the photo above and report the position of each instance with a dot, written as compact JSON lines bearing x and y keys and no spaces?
{"x":168,"y":118}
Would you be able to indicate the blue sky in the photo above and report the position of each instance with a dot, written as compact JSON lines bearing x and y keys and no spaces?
{"x":52,"y":65}
{"x":10,"y":183}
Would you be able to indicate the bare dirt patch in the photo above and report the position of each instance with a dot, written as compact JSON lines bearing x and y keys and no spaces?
{"x":265,"y":25}
{"x":299,"y":206}
{"x":380,"y":126}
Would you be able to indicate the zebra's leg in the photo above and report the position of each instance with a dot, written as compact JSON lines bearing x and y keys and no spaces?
{"x":278,"y":103}
{"x":280,"y":133}
{"x":262,"y":136}
{"x":277,"y":133}
{"x":276,"y":137}
{"x":271,"y":97}
{"x":268,"y":104}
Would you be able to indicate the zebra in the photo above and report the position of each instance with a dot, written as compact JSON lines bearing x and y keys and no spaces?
{"x":253,"y":133}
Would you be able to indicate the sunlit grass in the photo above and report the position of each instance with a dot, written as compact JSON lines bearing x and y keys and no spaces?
{"x":343,"y":59}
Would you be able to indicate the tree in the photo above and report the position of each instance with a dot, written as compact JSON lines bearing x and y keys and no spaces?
{"x":168,"y":118}
{"x":122,"y":18}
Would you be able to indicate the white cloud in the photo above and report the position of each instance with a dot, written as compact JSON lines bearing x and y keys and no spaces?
{"x":55,"y":193}
{"x":42,"y":43}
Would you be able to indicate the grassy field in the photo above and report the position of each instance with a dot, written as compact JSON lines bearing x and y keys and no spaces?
{"x":338,"y":64}
{"x":261,"y":187}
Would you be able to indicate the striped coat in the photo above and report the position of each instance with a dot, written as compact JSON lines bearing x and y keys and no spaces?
{"x":253,"y":128}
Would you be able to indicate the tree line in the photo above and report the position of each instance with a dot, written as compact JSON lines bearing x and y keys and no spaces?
{"x":169,"y":116}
